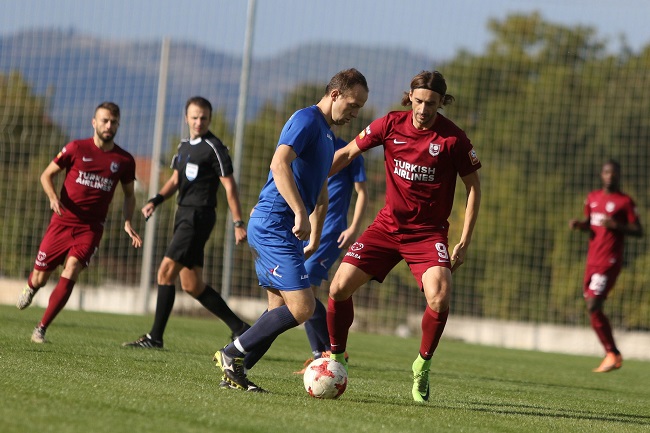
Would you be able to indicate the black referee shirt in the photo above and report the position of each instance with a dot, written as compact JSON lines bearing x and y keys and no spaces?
{"x":200,"y":163}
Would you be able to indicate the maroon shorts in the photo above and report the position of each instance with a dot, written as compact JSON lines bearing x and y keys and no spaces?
{"x":599,"y":281}
{"x":377,"y":252}
{"x":61,"y":241}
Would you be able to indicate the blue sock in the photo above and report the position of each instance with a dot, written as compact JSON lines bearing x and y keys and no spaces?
{"x":316,"y":329}
{"x":259,"y":337}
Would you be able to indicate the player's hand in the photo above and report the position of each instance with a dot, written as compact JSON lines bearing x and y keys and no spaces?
{"x":346,"y":238}
{"x":458,"y":256}
{"x":302,"y":227}
{"x":310,"y":249}
{"x":609,"y":223}
{"x":240,"y":235}
{"x":136,"y":241}
{"x":148,"y":210}
{"x":57,"y":207}
{"x":575,"y":224}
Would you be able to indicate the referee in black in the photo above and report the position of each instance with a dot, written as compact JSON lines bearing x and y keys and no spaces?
{"x":201,"y":163}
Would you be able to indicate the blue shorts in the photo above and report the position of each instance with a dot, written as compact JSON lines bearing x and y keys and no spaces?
{"x":278,"y":254}
{"x":319,"y":264}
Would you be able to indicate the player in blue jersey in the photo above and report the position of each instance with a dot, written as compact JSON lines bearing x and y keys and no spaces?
{"x":291,"y":205}
{"x":337,"y":236}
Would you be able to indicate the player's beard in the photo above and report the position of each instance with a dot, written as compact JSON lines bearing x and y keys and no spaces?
{"x":106,"y":137}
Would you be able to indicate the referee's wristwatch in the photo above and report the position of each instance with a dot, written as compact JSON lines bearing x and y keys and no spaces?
{"x":238,"y":224}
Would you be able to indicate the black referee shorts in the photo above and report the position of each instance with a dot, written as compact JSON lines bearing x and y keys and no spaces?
{"x":192,"y":228}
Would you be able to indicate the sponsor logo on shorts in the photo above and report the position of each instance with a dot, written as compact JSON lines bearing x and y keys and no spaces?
{"x":40,"y":259}
{"x":352,"y":252}
{"x":323,"y":263}
{"x":356,"y":246}
{"x":274,"y":272}
{"x":304,"y":277}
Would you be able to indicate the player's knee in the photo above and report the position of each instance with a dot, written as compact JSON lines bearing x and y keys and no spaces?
{"x":303,"y":314}
{"x":340,"y":289}
{"x":39,"y":278}
{"x":194,"y":290}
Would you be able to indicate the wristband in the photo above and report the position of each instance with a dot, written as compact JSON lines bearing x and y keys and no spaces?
{"x":157,"y":199}
{"x":238,"y":223}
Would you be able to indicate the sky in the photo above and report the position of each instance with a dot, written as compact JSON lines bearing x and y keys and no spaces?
{"x":433,"y":28}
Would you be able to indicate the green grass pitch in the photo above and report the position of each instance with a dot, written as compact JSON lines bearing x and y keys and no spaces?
{"x":84,"y":381}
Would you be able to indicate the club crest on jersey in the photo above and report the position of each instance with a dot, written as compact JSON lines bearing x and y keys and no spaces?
{"x":191,"y":171}
{"x":114,"y":167}
{"x":610,"y":206}
{"x":473,"y":157}
{"x":434,"y":149}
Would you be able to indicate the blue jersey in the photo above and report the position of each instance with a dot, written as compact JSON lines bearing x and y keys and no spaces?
{"x":279,"y":255}
{"x":311,"y":138}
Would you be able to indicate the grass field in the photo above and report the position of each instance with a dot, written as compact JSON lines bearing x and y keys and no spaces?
{"x":83,"y":381}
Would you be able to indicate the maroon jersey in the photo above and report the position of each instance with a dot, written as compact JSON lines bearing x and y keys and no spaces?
{"x":606,"y":246}
{"x":90,"y":181}
{"x":421,"y":169}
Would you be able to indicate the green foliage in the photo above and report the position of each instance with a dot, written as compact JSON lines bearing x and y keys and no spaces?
{"x":28,"y":141}
{"x":545,"y":105}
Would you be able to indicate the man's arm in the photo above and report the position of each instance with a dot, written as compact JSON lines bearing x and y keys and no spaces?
{"x":169,"y":188}
{"x":284,"y":181}
{"x":316,"y":220}
{"x":127,"y":211}
{"x":350,"y":234}
{"x":473,"y":188}
{"x":47,"y":181}
{"x":232,"y":195}
{"x":344,"y":156}
{"x":582,"y":225}
{"x":629,"y":229}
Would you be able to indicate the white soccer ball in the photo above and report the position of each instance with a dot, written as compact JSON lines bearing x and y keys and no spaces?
{"x":325,"y":378}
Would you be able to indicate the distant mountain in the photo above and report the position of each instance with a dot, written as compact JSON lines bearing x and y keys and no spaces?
{"x":75,"y":72}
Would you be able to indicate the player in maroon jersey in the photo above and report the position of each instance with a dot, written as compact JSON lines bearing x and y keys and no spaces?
{"x":93,"y":166}
{"x":424,"y":152}
{"x":610,"y":215}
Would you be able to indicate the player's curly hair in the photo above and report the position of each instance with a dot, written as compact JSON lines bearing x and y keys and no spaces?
{"x":429,"y":80}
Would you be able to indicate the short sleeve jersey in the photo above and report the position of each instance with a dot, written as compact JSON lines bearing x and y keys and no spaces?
{"x":421,"y":169}
{"x":606,"y":246}
{"x":200,"y":164}
{"x":339,"y":188}
{"x":91,"y":178}
{"x":311,"y":138}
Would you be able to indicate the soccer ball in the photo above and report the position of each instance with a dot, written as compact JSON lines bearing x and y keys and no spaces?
{"x":325,"y":378}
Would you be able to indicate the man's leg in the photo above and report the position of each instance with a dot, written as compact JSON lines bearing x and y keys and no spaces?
{"x":340,"y":310}
{"x":601,"y":326}
{"x":436,"y":284}
{"x":59,"y":297}
{"x":287,"y":309}
{"x":192,"y":283}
